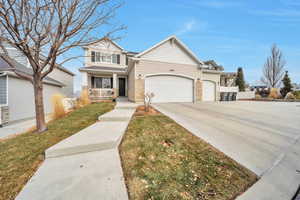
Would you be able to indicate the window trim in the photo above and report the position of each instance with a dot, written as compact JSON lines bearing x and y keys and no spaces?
{"x":6,"y":76}
{"x":104,"y":57}
{"x":93,"y":83}
{"x":93,"y":56}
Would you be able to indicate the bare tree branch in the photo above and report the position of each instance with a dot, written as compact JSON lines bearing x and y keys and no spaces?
{"x":273,"y":69}
{"x":44,"y":30}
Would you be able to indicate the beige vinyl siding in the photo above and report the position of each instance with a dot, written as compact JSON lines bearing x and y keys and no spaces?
{"x":104,"y":47}
{"x":131,"y":82}
{"x":146,"y":67}
{"x":170,"y":52}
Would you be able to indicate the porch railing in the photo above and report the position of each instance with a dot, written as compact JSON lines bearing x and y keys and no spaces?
{"x":101,"y":93}
{"x":229,"y":89}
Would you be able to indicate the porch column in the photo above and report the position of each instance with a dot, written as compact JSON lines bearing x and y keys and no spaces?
{"x":84,"y":80}
{"x":115,"y":87}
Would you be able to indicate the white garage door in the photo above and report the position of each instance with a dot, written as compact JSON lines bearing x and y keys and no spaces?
{"x":167,"y":88}
{"x":209,"y":91}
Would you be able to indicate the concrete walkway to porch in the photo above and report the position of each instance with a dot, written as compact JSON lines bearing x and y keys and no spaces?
{"x":86,"y":165}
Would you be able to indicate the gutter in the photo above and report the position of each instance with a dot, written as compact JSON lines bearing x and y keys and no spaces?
{"x":211,"y":71}
{"x":44,"y":81}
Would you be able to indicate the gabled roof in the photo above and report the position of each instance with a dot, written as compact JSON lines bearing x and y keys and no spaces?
{"x":181,"y":44}
{"x":107,"y":39}
{"x":4,"y":67}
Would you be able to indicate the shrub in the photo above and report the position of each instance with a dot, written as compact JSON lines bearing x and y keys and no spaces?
{"x":297,"y":94}
{"x":274,"y":93}
{"x":290,"y":95}
{"x":84,"y":97}
{"x":263,"y":92}
{"x":257,"y":96}
{"x":58,"y":107}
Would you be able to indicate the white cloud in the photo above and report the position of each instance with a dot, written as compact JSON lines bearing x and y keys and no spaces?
{"x":211,"y":3}
{"x":220,"y":4}
{"x":191,"y":25}
{"x":277,"y":13}
{"x":291,"y":2}
{"x":187,"y":27}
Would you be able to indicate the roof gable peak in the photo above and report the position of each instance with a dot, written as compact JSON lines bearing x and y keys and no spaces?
{"x":172,"y":38}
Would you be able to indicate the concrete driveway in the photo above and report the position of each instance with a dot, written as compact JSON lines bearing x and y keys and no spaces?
{"x":258,"y":135}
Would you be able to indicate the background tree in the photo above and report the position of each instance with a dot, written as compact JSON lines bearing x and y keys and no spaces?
{"x":213,"y":65}
{"x":44,"y":30}
{"x":239,"y":81}
{"x":287,"y":85}
{"x":273,"y":68}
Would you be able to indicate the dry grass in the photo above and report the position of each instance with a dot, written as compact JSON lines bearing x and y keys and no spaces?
{"x":257,"y":96}
{"x":21,"y":156}
{"x":290,"y":95}
{"x":84,"y":97}
{"x":58,"y":107}
{"x":162,"y":160}
{"x":274,"y":93}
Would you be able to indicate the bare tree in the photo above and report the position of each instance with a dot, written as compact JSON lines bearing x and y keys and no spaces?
{"x":148,"y":100}
{"x":43,"y":30}
{"x":273,"y":69}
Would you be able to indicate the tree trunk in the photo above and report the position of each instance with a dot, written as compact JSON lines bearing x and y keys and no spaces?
{"x":39,"y":105}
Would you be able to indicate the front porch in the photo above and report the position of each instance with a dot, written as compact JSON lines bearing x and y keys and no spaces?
{"x":105,"y":84}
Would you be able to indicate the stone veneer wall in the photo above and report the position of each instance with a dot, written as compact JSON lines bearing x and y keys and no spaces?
{"x":139,"y":90}
{"x":198,"y":90}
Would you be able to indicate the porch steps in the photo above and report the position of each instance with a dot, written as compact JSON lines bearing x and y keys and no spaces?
{"x":98,"y":99}
{"x":118,"y":115}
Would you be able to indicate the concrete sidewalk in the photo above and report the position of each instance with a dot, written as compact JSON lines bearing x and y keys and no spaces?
{"x":86,"y":165}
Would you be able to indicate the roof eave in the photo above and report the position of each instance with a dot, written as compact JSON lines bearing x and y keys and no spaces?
{"x":167,"y":39}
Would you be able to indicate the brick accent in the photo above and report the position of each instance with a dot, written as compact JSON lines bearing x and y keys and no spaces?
{"x":139,"y":90}
{"x":198,"y":90}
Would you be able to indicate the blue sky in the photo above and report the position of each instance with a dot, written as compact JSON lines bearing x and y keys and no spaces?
{"x":232,"y":32}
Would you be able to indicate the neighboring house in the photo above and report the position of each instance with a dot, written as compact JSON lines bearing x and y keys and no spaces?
{"x":228,"y":79}
{"x":17,"y":93}
{"x":168,"y":69}
{"x":296,"y":87}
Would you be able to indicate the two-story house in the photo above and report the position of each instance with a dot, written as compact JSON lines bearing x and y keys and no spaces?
{"x":169,"y":69}
{"x":105,"y":70}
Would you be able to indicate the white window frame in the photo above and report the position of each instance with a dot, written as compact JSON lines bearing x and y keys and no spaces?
{"x":4,"y":74}
{"x":109,"y":58}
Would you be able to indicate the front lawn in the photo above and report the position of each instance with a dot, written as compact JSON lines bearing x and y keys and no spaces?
{"x":21,"y":156}
{"x":162,"y":160}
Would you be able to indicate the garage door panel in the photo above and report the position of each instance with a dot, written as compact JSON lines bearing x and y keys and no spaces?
{"x":168,"y":88}
{"x":209,"y":91}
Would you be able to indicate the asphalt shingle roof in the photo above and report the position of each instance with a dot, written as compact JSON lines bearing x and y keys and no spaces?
{"x":4,"y":66}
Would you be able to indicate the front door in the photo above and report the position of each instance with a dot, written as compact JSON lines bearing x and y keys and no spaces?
{"x":122,"y":84}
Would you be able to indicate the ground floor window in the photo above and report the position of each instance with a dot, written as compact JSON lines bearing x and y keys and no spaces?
{"x":102,"y":82}
{"x":3,"y":90}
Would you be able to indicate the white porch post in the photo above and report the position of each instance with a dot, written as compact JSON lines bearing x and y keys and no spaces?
{"x":115,"y":87}
{"x":84,"y":80}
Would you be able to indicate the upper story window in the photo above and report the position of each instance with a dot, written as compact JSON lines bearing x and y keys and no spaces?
{"x":105,"y":57}
{"x":3,"y":90}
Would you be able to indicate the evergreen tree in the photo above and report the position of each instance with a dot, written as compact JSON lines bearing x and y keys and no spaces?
{"x":287,"y":85}
{"x":240,"y":82}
